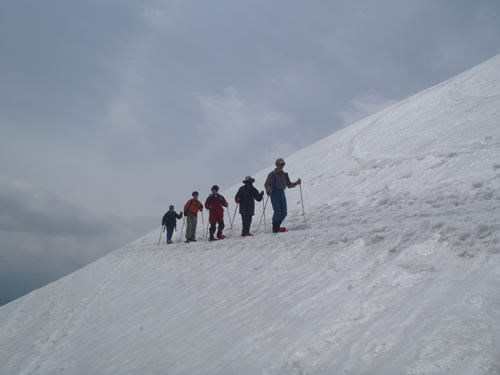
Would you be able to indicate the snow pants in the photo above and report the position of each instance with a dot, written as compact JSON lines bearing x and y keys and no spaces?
{"x":191,"y":222}
{"x":213,"y":227}
{"x":278,"y":201}
{"x":246,"y":220}
{"x":170,"y":233}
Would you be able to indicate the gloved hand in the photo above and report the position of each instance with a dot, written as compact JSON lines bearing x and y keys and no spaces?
{"x":180,"y":213}
{"x":269,"y":190}
{"x":164,"y":229}
{"x":185,"y":213}
{"x":262,"y":193}
{"x":299,"y":181}
{"x":237,"y":201}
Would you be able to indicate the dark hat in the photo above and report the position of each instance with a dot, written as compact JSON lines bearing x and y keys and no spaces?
{"x":194,"y":193}
{"x":171,"y":206}
{"x":215,"y":187}
{"x":249,"y":180}
{"x":280,"y":161}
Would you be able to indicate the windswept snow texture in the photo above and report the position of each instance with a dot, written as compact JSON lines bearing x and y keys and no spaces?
{"x":395,"y":271}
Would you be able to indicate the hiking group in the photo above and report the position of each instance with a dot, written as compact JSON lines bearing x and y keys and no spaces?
{"x":276,"y":183}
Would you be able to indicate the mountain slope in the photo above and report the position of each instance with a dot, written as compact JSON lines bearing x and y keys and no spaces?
{"x":396,"y":271}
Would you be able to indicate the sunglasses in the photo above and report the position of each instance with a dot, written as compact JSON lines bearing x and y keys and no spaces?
{"x":282,"y":164}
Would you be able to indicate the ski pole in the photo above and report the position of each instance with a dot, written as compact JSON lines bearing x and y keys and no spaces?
{"x":263,"y":212}
{"x":202,"y":222}
{"x":234,"y":215}
{"x":208,"y":224}
{"x":182,"y":229}
{"x":161,"y":231}
{"x":229,"y":217}
{"x":302,"y":200}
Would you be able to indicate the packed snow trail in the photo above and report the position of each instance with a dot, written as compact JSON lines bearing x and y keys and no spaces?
{"x":396,"y":271}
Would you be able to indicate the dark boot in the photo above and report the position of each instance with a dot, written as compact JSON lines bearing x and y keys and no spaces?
{"x":276,"y":227}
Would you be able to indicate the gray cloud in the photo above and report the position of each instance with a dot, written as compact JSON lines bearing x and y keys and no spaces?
{"x":43,"y":237}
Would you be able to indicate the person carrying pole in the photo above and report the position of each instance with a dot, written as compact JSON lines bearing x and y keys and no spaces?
{"x":246,"y":197}
{"x":191,"y":209}
{"x":276,"y":183}
{"x":169,"y":221}
{"x":215,"y":203}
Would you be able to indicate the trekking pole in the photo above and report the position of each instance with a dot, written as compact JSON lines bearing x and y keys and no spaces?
{"x":302,"y":200}
{"x":236,"y":209}
{"x":202,"y":222}
{"x":182,"y":229}
{"x":161,"y":231}
{"x":263,"y":212}
{"x":229,"y":216}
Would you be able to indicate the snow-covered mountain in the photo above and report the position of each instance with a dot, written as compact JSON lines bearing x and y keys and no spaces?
{"x":396,"y":269}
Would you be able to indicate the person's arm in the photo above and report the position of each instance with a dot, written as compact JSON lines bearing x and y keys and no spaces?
{"x":258,"y":196}
{"x":237,"y":197}
{"x":224,"y":202}
{"x":269,"y":183}
{"x":178,"y":215}
{"x":290,"y":184}
{"x":208,"y":203}
{"x":200,"y":207}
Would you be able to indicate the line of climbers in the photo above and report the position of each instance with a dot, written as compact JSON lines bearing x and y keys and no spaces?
{"x":276,"y":183}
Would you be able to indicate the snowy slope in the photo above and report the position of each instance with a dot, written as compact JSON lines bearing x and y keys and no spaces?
{"x":396,"y":271}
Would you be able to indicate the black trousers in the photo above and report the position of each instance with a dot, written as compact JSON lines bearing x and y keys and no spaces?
{"x":170,"y":232}
{"x":213,"y":227}
{"x":247,"y":223}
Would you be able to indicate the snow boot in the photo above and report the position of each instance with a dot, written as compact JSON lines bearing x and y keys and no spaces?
{"x":282,"y":229}
{"x":276,"y":227}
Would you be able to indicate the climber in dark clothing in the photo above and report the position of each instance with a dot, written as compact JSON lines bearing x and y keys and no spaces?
{"x":246,"y":197}
{"x":169,"y":221}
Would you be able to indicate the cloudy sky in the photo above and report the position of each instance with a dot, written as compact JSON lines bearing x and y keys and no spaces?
{"x":112,"y":110}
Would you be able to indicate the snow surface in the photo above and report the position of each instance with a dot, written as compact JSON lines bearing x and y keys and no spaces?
{"x":396,"y":271}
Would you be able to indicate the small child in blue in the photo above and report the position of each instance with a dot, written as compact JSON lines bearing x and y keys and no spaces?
{"x":169,"y":221}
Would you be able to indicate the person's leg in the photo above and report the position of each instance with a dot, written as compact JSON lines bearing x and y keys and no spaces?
{"x":276,"y":203}
{"x":193,"y":228}
{"x":212,"y":228}
{"x":189,"y":227}
{"x":170,"y":232}
{"x":221,"y":228}
{"x":247,"y":221}
{"x":283,"y":207}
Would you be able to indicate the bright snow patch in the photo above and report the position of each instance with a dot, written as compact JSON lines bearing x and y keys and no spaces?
{"x":396,"y":271}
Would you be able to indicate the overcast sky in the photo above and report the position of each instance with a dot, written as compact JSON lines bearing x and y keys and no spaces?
{"x":112,"y":110}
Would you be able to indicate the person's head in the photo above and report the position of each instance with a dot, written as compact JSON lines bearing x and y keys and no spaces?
{"x":171,"y":208}
{"x":215,"y":189}
{"x":248,"y":180}
{"x":280,"y":163}
{"x":195,"y":195}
